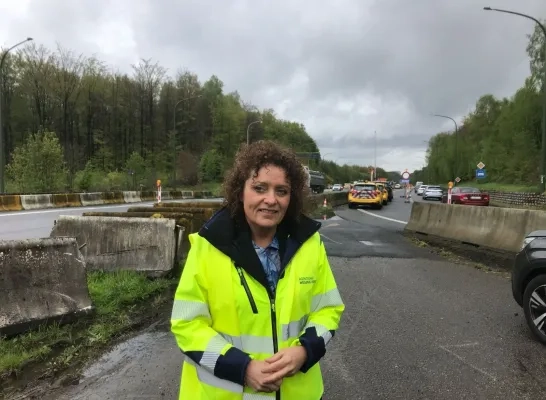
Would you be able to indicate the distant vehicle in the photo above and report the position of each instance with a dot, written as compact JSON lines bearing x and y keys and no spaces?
{"x":338,"y":187}
{"x":397,"y":186}
{"x":417,"y":185}
{"x":421,"y":189}
{"x":388,"y":187}
{"x":467,"y":195}
{"x":529,"y":282}
{"x":433,"y":192}
{"x":315,"y":180}
{"x":365,"y":193}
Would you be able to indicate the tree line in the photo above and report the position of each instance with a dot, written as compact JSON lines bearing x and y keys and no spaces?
{"x":71,"y":123}
{"x":504,"y":134}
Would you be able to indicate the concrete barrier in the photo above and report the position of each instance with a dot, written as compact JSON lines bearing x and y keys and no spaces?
{"x":138,"y":244}
{"x":36,"y":201}
{"x":131,"y":197}
{"x":92,"y":199}
{"x":66,"y":200}
{"x":495,"y":228}
{"x":10,"y":203}
{"x":41,"y":280}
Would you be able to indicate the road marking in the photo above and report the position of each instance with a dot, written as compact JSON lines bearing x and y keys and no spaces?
{"x":367,"y":243}
{"x":382,"y":217}
{"x":64,"y":209}
{"x":331,"y":240}
{"x":461,"y":359}
{"x":328,"y":226}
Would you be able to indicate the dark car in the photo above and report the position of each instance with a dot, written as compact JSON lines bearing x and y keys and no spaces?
{"x":468,"y":196}
{"x":529,"y":282}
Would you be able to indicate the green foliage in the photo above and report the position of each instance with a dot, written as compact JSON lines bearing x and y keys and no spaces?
{"x":158,"y":126}
{"x":504,"y":134}
{"x":211,"y":166}
{"x":38,"y":165}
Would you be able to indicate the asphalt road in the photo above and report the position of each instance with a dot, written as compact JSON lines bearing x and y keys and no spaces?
{"x":416,"y":326}
{"x":33,"y":224}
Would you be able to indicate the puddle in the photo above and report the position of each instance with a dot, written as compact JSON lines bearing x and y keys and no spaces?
{"x":122,"y":353}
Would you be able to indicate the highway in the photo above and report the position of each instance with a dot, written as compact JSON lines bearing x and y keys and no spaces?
{"x":17,"y":225}
{"x":417,"y":326}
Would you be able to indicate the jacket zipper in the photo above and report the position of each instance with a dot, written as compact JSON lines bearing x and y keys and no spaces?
{"x":247,"y":290}
{"x":274,"y":331}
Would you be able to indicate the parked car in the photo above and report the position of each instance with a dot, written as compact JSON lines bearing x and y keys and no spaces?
{"x":365,"y":193}
{"x":397,"y":186}
{"x":421,"y":189}
{"x":529,"y":282}
{"x":338,"y":187}
{"x":433,"y":192}
{"x":388,"y":187}
{"x":467,"y":195}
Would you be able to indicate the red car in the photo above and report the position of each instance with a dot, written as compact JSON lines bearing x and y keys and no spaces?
{"x":467,"y":195}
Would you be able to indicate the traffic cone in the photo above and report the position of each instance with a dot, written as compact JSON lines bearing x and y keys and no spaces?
{"x":325,"y":203}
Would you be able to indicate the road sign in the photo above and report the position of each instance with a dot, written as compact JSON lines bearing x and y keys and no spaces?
{"x":480,"y":173}
{"x":480,"y":165}
{"x":405,"y":175}
{"x":457,"y":179}
{"x":404,"y":180}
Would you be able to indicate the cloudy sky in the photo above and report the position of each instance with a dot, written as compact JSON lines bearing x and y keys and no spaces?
{"x":344,"y":70}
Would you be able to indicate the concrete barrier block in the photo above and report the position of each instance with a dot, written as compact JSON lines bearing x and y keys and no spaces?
{"x":131,"y":197}
{"x":137,"y":244}
{"x":92,"y":199}
{"x":10,"y":202}
{"x":41,"y":280}
{"x":36,"y":201}
{"x":66,"y":200}
{"x":113,"y":197}
{"x":148,"y":195}
{"x":496,"y":228}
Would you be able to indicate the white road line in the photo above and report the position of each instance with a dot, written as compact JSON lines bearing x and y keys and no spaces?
{"x":73,"y":209}
{"x":382,"y":217}
{"x":331,"y":240}
{"x":368,"y":243}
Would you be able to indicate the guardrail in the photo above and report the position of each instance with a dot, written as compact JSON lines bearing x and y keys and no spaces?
{"x":18,"y":202}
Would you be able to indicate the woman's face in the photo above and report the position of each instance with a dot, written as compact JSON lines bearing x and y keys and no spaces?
{"x":266,"y":197}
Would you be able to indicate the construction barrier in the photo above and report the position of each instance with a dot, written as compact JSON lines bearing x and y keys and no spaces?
{"x":495,"y":228}
{"x":138,"y":244}
{"x":41,"y":280}
{"x":18,"y":202}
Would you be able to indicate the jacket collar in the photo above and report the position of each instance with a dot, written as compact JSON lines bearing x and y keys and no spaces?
{"x":232,"y":237}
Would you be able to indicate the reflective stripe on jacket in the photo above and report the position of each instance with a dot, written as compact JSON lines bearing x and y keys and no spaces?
{"x":223,"y":316}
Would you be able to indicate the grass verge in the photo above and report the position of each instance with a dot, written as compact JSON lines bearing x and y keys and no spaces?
{"x":120,"y":299}
{"x":320,"y":211}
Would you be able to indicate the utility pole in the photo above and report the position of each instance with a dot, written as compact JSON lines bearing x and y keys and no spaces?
{"x":374,"y":155}
{"x":543,"y":149}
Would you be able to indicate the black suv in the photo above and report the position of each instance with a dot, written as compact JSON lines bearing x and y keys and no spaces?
{"x":529,"y":282}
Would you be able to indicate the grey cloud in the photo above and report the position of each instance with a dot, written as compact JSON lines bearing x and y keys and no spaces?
{"x":402,"y":59}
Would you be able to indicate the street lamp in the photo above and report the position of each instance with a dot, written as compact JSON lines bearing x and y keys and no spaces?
{"x":456,"y":142}
{"x":174,"y":131}
{"x":248,"y":130}
{"x":543,"y":150}
{"x":2,"y":150}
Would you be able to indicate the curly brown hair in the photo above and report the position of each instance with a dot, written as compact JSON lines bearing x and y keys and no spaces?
{"x":250,"y":159}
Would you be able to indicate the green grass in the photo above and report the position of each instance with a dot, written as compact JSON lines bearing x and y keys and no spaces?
{"x":116,"y":297}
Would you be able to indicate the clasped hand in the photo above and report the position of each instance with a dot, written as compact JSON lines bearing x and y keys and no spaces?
{"x":266,"y":376}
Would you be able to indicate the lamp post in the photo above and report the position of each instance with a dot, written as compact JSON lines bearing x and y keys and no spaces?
{"x":456,"y":143}
{"x":248,"y":130}
{"x":2,"y":150}
{"x":543,"y":149}
{"x":174,"y":131}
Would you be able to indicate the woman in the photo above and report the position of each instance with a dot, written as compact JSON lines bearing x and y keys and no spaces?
{"x":257,"y":301}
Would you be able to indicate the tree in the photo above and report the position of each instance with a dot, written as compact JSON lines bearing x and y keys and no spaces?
{"x":38,"y":166}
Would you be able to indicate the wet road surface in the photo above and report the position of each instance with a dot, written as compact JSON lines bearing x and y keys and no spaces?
{"x":416,"y":326}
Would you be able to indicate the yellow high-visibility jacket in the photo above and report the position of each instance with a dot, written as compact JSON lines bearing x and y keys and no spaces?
{"x":224,"y":313}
